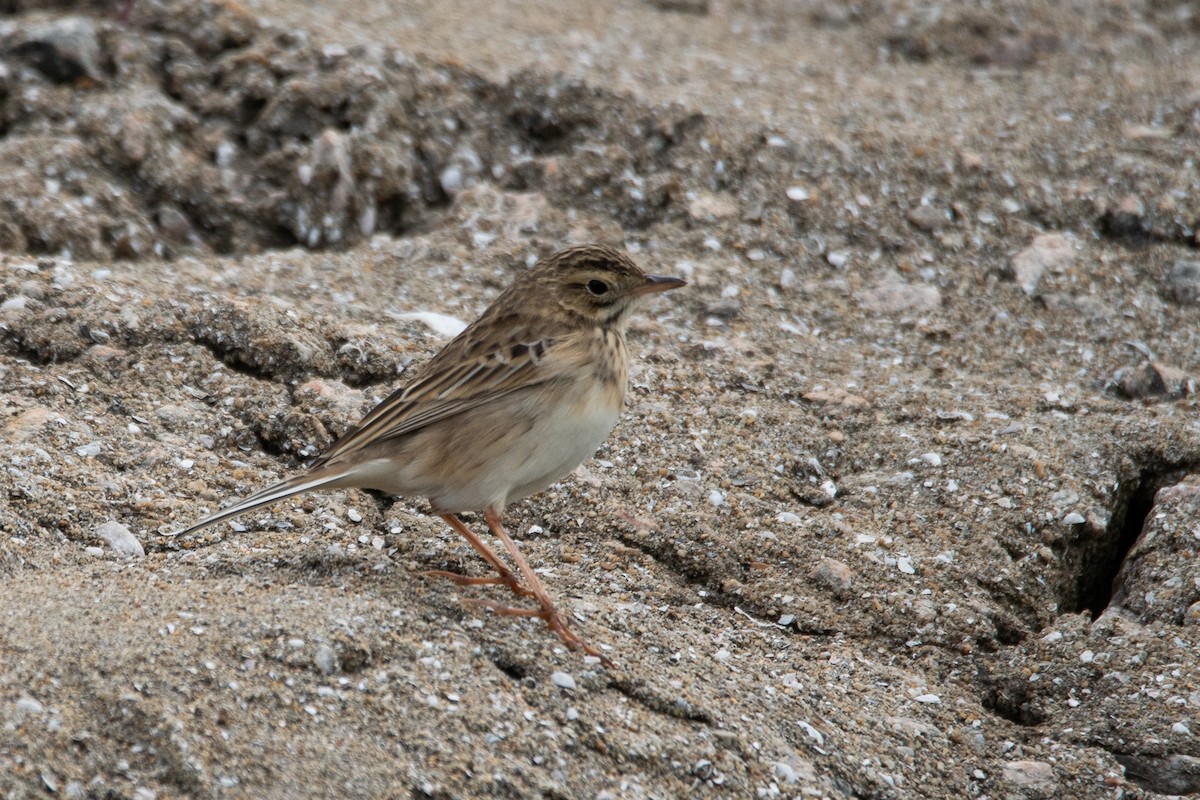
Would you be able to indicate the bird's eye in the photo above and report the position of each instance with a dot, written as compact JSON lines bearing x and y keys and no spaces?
{"x":597,"y":287}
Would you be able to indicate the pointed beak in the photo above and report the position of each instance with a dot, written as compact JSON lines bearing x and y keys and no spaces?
{"x":659,"y":283}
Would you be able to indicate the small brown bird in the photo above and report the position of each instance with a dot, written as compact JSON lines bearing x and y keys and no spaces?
{"x":513,"y":404}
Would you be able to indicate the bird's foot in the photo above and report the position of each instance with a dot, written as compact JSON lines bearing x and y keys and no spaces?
{"x":554,"y":622}
{"x":505,"y":578}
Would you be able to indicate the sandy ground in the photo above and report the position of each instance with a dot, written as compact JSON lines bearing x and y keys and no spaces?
{"x":904,"y":500}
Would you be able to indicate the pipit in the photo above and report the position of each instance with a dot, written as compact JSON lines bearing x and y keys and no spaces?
{"x":513,"y":404}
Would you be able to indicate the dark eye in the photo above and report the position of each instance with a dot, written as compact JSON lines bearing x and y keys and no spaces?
{"x":597,"y":287}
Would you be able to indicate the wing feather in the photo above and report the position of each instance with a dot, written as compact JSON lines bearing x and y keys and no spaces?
{"x":468,"y":373}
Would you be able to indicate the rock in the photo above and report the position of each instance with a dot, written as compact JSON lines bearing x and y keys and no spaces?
{"x":893,"y":294}
{"x":1183,"y":284}
{"x":836,"y":398}
{"x":969,"y":161}
{"x":1051,"y":251}
{"x":28,"y":424}
{"x":325,"y":659}
{"x":1035,"y":777}
{"x":64,"y":50}
{"x":710,"y":208}
{"x":928,"y":218}
{"x":120,"y":539}
{"x":834,"y":574}
{"x":562,"y":680}
{"x":441,"y":324}
{"x":1152,"y":380}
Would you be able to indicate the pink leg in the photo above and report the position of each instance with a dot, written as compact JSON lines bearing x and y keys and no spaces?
{"x":505,"y":575}
{"x":548,"y":611}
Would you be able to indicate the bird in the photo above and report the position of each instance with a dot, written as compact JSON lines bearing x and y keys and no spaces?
{"x":513,"y":404}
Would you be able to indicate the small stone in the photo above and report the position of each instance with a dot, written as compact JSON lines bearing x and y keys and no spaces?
{"x":1074,"y":518}
{"x":325,"y":659}
{"x":120,"y":539}
{"x":905,"y":565}
{"x":89,"y":450}
{"x":838,"y":258}
{"x":64,"y":50}
{"x":1033,"y":776}
{"x":1181,"y":728}
{"x":970,"y":162}
{"x":893,"y":294}
{"x":928,"y":218}
{"x":353,"y":515}
{"x":787,"y":279}
{"x":1183,"y":283}
{"x":716,"y":498}
{"x":711,"y":208}
{"x":27,"y":705}
{"x":451,"y":180}
{"x":834,"y":574}
{"x":797,"y":194}
{"x":562,"y":680}
{"x":928,"y":699}
{"x":1052,"y":251}
{"x":1153,"y":380}
{"x":442,"y":324}
{"x":1192,"y":615}
{"x":932,"y":459}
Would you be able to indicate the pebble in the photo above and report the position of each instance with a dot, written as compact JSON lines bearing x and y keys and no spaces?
{"x":1074,"y":518}
{"x":64,"y":50}
{"x":893,"y":294}
{"x":928,"y":218}
{"x":787,"y":279}
{"x":797,"y":194}
{"x":325,"y":659}
{"x":1183,"y":282}
{"x":929,"y":699}
{"x":120,"y":539}
{"x":353,"y":515}
{"x":27,"y":705}
{"x":710,"y":208}
{"x":812,"y":732}
{"x":1192,"y":615}
{"x":834,"y":574}
{"x":442,"y":324}
{"x":1153,"y":380}
{"x":969,"y":161}
{"x":932,"y":459}
{"x":905,"y":565}
{"x":88,"y":450}
{"x":1181,"y":728}
{"x":1036,"y":776}
{"x":562,"y":680}
{"x":716,"y":498}
{"x":1052,"y":251}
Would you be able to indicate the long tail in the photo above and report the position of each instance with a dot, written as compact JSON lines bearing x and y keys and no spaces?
{"x":292,"y":486}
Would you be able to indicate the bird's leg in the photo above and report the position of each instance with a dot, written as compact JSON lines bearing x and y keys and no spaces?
{"x":505,"y":575}
{"x":548,"y":611}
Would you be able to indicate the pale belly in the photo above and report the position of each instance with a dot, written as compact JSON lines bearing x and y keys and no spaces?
{"x":501,"y":453}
